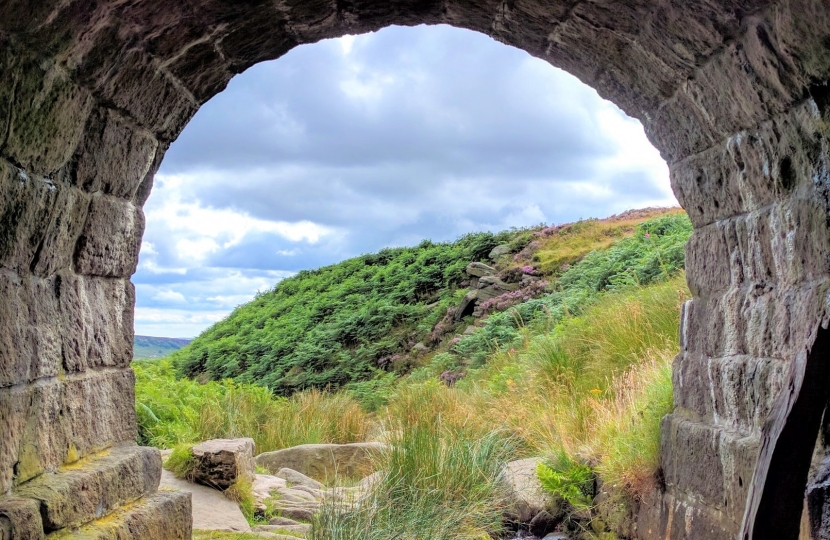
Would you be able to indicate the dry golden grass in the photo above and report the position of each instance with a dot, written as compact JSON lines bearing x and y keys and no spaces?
{"x":595,"y":388}
{"x":573,"y":241}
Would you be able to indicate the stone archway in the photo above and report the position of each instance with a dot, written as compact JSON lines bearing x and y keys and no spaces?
{"x":732,"y":92}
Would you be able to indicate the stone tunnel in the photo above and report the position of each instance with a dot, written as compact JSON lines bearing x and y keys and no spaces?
{"x":734,"y":94}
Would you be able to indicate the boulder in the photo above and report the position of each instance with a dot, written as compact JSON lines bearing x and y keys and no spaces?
{"x":219,"y":462}
{"x":324,"y":462}
{"x":301,"y":513}
{"x":499,"y":251}
{"x":477,"y":269}
{"x":525,"y":496}
{"x":420,"y":348}
{"x":471,"y":329}
{"x":210,"y":510}
{"x":264,"y":486}
{"x":298,"y":479}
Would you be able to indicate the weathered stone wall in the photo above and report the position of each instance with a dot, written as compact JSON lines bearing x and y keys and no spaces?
{"x":732,"y":92}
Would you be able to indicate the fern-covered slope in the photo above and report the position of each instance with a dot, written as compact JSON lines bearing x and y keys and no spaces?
{"x":340,"y":324}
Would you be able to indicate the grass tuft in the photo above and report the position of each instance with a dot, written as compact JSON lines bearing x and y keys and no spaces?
{"x":181,"y":462}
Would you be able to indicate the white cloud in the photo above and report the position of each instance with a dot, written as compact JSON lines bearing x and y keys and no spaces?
{"x":169,"y":296}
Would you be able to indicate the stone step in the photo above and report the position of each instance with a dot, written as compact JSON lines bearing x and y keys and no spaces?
{"x":94,"y":486}
{"x":20,"y":519}
{"x":165,"y":515}
{"x":712,"y":463}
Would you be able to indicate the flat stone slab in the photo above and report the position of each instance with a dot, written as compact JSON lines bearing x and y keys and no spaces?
{"x":324,"y":462}
{"x":92,"y":487}
{"x":212,"y":511}
{"x":160,"y":516}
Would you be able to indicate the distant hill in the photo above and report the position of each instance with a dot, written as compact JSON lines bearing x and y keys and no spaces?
{"x":156,"y":347}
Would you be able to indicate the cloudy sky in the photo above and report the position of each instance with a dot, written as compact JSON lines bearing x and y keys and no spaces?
{"x":349,"y":145}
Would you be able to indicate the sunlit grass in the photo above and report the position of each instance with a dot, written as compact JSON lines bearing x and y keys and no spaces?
{"x":572,"y":242}
{"x":173,"y":412}
{"x":439,"y":480}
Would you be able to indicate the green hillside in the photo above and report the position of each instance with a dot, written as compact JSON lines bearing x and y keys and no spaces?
{"x":145,"y":347}
{"x":351,"y":321}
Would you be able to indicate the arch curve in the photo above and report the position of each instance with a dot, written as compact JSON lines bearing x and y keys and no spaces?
{"x":732,"y":92}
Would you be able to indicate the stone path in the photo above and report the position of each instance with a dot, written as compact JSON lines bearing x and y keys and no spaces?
{"x":212,"y":511}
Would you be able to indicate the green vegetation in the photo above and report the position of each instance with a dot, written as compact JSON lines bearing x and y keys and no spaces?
{"x":440,"y":480}
{"x":324,"y":328}
{"x":242,"y":493}
{"x":579,"y":374}
{"x":145,"y":347}
{"x":181,"y":462}
{"x":178,"y":411}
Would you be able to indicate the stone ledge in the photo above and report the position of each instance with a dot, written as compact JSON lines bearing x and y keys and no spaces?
{"x":20,"y":519}
{"x":161,"y":516}
{"x":93,"y":487}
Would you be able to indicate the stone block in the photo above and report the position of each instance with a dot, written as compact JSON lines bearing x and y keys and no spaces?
{"x":97,"y":316}
{"x":708,"y":261}
{"x":100,"y":409}
{"x":115,"y":155}
{"x":30,"y":346}
{"x":713,"y":463}
{"x":158,"y":103}
{"x":763,"y":322}
{"x":35,"y":438}
{"x":220,"y":462}
{"x":40,"y":221}
{"x":203,"y":70}
{"x":111,"y":239}
{"x":324,"y":461}
{"x":58,"y":421}
{"x":25,"y":208}
{"x":20,"y":519}
{"x":784,"y":244}
{"x":64,"y":227}
{"x":676,"y":516}
{"x":63,"y":323}
{"x":735,"y":393}
{"x":94,"y":486}
{"x":752,"y":169}
{"x":161,"y":516}
{"x":256,"y":40}
{"x":50,"y":112}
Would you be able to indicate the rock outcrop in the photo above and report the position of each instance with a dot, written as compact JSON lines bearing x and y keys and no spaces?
{"x":484,"y":285}
{"x":733,"y":94}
